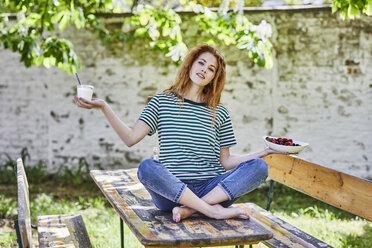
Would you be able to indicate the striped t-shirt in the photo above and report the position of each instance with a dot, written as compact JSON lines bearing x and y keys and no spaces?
{"x":189,"y":145}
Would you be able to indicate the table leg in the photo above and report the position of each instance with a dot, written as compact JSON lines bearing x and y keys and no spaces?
{"x":121,"y":233}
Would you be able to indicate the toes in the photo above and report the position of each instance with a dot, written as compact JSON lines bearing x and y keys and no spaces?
{"x":176,"y":214}
{"x":244,"y":216}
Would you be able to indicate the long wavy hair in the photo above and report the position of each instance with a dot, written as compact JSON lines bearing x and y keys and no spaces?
{"x":212,"y":91}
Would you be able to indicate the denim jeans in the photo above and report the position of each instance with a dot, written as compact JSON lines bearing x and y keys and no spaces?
{"x":166,"y":189}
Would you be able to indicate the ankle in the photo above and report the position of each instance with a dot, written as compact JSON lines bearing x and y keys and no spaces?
{"x":216,"y":213}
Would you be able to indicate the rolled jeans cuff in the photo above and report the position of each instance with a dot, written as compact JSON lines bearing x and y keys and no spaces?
{"x":180,"y":193}
{"x":226,"y":190}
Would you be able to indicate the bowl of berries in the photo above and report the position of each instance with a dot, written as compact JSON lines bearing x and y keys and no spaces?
{"x":284,"y":144}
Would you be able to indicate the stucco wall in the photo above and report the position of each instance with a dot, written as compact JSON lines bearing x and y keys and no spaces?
{"x":319,"y":91}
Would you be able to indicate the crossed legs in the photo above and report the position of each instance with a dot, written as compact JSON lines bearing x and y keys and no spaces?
{"x":169,"y":193}
{"x":215,"y":196}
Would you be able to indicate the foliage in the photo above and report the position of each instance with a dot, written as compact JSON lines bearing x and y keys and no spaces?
{"x":232,"y":28}
{"x":34,"y":35}
{"x":352,"y":8}
{"x":7,"y":207}
{"x":69,"y":175}
{"x":8,"y":168}
{"x":38,"y":174}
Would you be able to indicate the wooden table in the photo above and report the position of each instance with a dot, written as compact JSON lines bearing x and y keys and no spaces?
{"x":155,"y":228}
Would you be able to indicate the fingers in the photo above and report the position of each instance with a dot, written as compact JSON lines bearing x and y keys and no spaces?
{"x":83,"y":103}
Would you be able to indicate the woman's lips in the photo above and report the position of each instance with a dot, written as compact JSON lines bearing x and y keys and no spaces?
{"x":200,"y":75}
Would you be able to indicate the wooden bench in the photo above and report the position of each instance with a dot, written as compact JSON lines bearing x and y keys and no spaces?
{"x":53,"y":230}
{"x":349,"y":193}
{"x":154,"y":228}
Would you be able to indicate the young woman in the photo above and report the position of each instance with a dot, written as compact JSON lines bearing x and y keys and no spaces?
{"x":195,"y":170}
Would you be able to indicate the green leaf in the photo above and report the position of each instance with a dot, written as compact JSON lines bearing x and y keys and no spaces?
{"x":64,"y":21}
{"x":166,"y":29}
{"x":353,"y":11}
{"x":144,"y":19}
{"x":78,"y":17}
{"x":179,"y":36}
{"x":368,"y":9}
{"x":140,"y":32}
{"x":57,"y":17}
{"x":46,"y":63}
{"x":344,"y":13}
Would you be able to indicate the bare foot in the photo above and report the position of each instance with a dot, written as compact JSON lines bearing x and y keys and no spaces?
{"x":180,"y":213}
{"x":230,"y":212}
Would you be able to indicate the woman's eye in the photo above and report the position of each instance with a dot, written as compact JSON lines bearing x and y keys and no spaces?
{"x":211,"y":69}
{"x":201,"y":63}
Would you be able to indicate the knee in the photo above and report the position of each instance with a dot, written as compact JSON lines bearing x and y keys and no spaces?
{"x":262,"y":168}
{"x":145,"y":169}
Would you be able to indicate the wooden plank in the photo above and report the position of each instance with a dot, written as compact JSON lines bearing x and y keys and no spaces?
{"x":336,"y":188}
{"x":62,"y":231}
{"x":285,"y":235}
{"x":24,"y":215}
{"x":155,"y":228}
{"x":76,"y":227}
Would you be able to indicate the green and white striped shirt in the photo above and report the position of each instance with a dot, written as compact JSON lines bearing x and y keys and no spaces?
{"x":189,"y":144}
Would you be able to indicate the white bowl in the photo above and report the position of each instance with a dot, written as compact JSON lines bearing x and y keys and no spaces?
{"x":283,"y":148}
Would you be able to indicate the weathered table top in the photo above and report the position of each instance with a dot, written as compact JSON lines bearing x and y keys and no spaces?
{"x":155,"y":228}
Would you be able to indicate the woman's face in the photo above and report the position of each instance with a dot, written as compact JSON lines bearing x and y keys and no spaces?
{"x":203,"y":69}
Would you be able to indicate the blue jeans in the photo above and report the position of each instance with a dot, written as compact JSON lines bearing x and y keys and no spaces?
{"x":166,"y":189}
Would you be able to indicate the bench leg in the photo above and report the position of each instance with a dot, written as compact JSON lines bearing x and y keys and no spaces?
{"x":121,"y":233}
{"x":270,"y":195}
{"x":19,"y":241}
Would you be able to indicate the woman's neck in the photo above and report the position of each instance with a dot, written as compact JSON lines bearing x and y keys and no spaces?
{"x":194,"y":94}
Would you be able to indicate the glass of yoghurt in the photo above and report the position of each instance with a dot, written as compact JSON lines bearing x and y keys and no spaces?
{"x":85,"y":91}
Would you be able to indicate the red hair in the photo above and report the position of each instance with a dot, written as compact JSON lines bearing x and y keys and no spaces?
{"x":212,"y":91}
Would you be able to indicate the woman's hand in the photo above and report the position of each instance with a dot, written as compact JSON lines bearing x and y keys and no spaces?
{"x":94,"y":103}
{"x":268,"y":151}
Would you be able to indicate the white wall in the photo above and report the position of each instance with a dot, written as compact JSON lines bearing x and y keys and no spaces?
{"x":318,"y":92}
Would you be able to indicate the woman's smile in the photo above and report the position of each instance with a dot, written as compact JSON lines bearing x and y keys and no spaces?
{"x":200,"y":75}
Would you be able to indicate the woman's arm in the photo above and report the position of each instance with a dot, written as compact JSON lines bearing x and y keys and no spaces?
{"x":230,"y":161}
{"x":130,"y":136}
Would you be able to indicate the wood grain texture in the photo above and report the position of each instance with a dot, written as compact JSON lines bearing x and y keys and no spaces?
{"x":62,"y":231}
{"x":24,"y":215}
{"x":341,"y":190}
{"x":53,"y":230}
{"x":285,"y":235}
{"x":155,"y":228}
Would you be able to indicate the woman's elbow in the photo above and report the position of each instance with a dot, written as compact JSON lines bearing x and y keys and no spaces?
{"x":129,"y":143}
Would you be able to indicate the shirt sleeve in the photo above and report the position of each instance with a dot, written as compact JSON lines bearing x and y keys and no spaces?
{"x":226,"y":132}
{"x":150,"y":114}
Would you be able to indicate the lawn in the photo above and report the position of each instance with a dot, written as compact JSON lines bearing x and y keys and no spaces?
{"x":75,"y":192}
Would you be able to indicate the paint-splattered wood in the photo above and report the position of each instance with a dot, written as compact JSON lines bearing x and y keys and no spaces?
{"x":155,"y":228}
{"x":53,"y":230}
{"x":285,"y":235}
{"x":24,"y":216}
{"x":62,"y":231}
{"x":341,"y":190}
